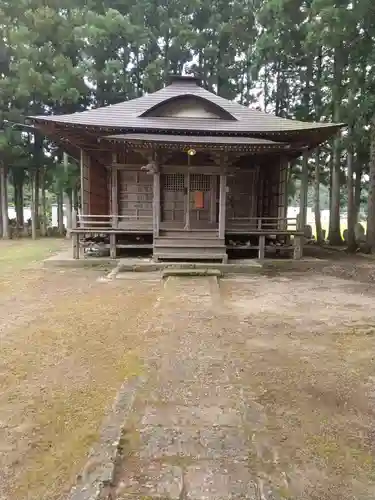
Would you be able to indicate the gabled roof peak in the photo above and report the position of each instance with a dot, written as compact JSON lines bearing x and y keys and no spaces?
{"x":188,"y":105}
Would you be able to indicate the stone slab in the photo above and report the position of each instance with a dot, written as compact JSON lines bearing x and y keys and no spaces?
{"x":170,"y":415}
{"x":159,"y":443}
{"x":243,"y":266}
{"x":250,"y":266}
{"x":204,"y":271}
{"x":150,"y":479}
{"x":134,"y":264}
{"x":65,"y":259}
{"x":100,"y":465}
{"x":220,"y":481}
{"x":195,"y":392}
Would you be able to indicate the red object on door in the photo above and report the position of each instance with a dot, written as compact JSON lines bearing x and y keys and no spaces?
{"x":199,"y":199}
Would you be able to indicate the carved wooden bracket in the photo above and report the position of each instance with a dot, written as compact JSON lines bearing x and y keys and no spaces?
{"x":151,"y":168}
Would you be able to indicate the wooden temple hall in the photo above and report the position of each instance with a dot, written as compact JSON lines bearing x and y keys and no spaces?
{"x":185,"y":173}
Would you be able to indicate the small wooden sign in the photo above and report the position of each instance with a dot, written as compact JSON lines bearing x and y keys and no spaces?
{"x":199,"y":199}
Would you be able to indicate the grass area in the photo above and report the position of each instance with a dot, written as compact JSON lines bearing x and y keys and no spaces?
{"x":19,"y":260}
{"x":67,"y":344}
{"x":15,"y":254}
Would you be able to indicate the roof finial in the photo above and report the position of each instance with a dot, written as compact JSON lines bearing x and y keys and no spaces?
{"x":185,"y":79}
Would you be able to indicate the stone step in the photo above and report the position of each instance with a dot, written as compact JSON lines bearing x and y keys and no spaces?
{"x":168,"y":255}
{"x":166,"y":273}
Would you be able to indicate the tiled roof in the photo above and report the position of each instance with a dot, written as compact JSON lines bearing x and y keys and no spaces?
{"x":126,"y":116}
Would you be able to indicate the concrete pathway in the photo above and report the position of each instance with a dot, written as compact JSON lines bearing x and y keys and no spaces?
{"x":192,"y":436}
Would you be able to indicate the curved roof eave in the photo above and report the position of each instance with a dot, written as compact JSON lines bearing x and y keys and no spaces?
{"x":186,"y":126}
{"x":129,"y":115}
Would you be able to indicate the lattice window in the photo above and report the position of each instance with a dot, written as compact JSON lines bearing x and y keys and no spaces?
{"x":174,"y":182}
{"x":200,"y":182}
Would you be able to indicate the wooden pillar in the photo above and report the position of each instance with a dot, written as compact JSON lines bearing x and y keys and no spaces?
{"x":283,"y":195}
{"x":222,"y":204}
{"x":75,"y":243}
{"x":85,"y":183}
{"x":74,"y":208}
{"x":156,"y":204}
{"x":298,"y":240}
{"x":286,"y":197}
{"x":303,"y":192}
{"x":213,"y":196}
{"x":262,"y":246}
{"x":74,"y":199}
{"x":67,"y":199}
{"x":75,"y":236}
{"x":187,"y":202}
{"x":114,"y":196}
{"x":82,"y":168}
{"x":112,"y":246}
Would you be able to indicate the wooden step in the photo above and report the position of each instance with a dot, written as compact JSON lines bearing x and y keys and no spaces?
{"x":189,"y":234}
{"x":181,"y":243}
{"x":192,"y":250}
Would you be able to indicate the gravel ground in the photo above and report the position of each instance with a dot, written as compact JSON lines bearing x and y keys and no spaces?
{"x":261,"y":388}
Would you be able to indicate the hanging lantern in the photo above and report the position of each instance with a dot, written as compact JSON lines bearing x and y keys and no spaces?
{"x":191,"y":152}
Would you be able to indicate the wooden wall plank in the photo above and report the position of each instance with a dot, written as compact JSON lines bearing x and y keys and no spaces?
{"x":242,"y":197}
{"x":135,"y":193}
{"x":98,"y":188}
{"x":85,"y":188}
